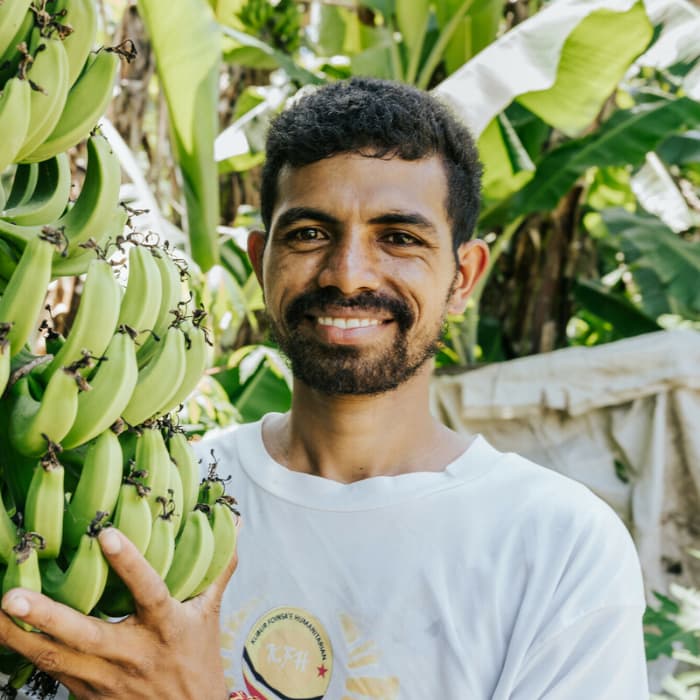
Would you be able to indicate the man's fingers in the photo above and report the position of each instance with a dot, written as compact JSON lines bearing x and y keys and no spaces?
{"x":47,"y":654}
{"x":83,"y":634}
{"x":150,"y":593}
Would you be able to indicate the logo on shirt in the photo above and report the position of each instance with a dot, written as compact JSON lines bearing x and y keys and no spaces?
{"x":287,"y":655}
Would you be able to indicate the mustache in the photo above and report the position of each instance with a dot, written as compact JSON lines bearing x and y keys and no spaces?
{"x":319,"y":299}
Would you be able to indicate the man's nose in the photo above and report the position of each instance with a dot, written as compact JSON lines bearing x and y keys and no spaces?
{"x":352,"y":266}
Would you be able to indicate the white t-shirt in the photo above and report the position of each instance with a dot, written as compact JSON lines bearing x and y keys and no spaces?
{"x":495,"y":579}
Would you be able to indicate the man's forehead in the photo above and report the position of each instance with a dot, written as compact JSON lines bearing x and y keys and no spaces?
{"x":385,"y":183}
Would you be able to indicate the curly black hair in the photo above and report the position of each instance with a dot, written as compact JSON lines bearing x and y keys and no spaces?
{"x":377,"y":118}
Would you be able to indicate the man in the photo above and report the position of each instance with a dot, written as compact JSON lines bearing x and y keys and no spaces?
{"x":383,"y":556}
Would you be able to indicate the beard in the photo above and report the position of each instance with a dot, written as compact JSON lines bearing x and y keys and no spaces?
{"x":345,"y":369}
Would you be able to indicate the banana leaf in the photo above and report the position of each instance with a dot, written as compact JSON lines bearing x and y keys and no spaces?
{"x":659,"y":195}
{"x":187,"y":44}
{"x":624,"y":316}
{"x":624,"y":139}
{"x":476,"y":31}
{"x":653,"y":252}
{"x":681,"y":149}
{"x":278,"y":58}
{"x":536,"y":62}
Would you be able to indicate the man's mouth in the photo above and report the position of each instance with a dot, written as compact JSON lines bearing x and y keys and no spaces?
{"x":337,"y":322}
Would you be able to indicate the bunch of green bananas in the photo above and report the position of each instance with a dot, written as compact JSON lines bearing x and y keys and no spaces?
{"x":54,"y":88}
{"x":88,"y":429}
{"x":88,"y":432}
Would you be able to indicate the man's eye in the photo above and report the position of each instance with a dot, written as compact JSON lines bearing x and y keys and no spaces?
{"x":306,"y":234}
{"x":401,"y":238}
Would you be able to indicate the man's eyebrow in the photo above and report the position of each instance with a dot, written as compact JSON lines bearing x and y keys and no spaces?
{"x":406,"y":218}
{"x":291,"y":216}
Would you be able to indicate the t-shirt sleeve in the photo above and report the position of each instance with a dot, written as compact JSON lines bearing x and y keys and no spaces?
{"x":584,"y":613}
{"x":600,"y":655}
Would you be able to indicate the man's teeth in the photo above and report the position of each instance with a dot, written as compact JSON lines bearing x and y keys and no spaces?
{"x":347,"y":322}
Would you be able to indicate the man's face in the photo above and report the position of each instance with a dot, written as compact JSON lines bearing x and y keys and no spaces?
{"x":358,"y":270}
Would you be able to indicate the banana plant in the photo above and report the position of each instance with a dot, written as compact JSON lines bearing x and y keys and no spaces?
{"x":187,"y":43}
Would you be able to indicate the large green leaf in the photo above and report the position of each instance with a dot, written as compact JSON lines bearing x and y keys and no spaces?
{"x":651,"y":247}
{"x":476,"y":31}
{"x":279,"y":58}
{"x":187,"y":45}
{"x":535,"y":57}
{"x":624,"y":316}
{"x":594,"y":58}
{"x":681,"y":149}
{"x":624,"y":139}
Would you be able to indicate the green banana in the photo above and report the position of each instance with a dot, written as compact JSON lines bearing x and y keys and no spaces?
{"x":9,"y":536}
{"x":176,"y":492}
{"x":132,"y":515}
{"x":43,"y":509}
{"x":85,"y":104}
{"x":83,"y":582}
{"x":211,"y":489}
{"x":194,"y":551}
{"x":81,"y":16}
{"x":187,"y":464}
{"x":49,"y":73}
{"x":23,"y":297}
{"x":23,"y":184}
{"x":78,"y":262}
{"x":12,"y":13}
{"x":92,"y":213}
{"x":161,"y":547}
{"x":5,"y":356}
{"x":23,"y":569}
{"x":112,"y":386}
{"x":14,"y":54}
{"x":97,"y":489}
{"x":8,"y":261}
{"x":142,"y":297}
{"x":14,"y":108}
{"x":96,"y":319}
{"x":153,"y":461}
{"x":35,"y":423}
{"x":158,"y":380}
{"x":196,"y":360}
{"x":50,"y":196}
{"x":173,"y":292}
{"x":223,"y":526}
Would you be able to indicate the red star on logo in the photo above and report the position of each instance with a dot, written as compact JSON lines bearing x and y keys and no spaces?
{"x":322,"y":671}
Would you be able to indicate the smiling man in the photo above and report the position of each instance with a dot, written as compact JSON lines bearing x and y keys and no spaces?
{"x":383,"y":555}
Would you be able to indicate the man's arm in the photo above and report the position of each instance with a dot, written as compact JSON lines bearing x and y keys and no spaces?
{"x":600,"y":655}
{"x":166,"y":649}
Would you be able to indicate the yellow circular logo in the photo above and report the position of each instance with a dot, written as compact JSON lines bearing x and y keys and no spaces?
{"x":287,"y":656}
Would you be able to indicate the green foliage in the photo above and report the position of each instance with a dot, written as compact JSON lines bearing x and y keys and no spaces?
{"x":663,"y":633}
{"x":187,"y":44}
{"x":622,"y":140}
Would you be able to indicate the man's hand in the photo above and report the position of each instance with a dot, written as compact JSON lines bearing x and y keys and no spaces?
{"x":166,"y":649}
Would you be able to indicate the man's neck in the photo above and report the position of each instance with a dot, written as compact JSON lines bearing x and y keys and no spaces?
{"x":350,"y":438}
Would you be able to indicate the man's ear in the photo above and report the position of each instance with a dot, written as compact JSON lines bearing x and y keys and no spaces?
{"x":256,"y":248}
{"x":472,"y":262}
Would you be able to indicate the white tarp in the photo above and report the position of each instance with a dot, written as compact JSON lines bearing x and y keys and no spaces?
{"x":580,"y":410}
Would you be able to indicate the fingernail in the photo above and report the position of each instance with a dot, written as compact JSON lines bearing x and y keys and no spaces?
{"x":110,"y":542}
{"x":16,"y":605}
